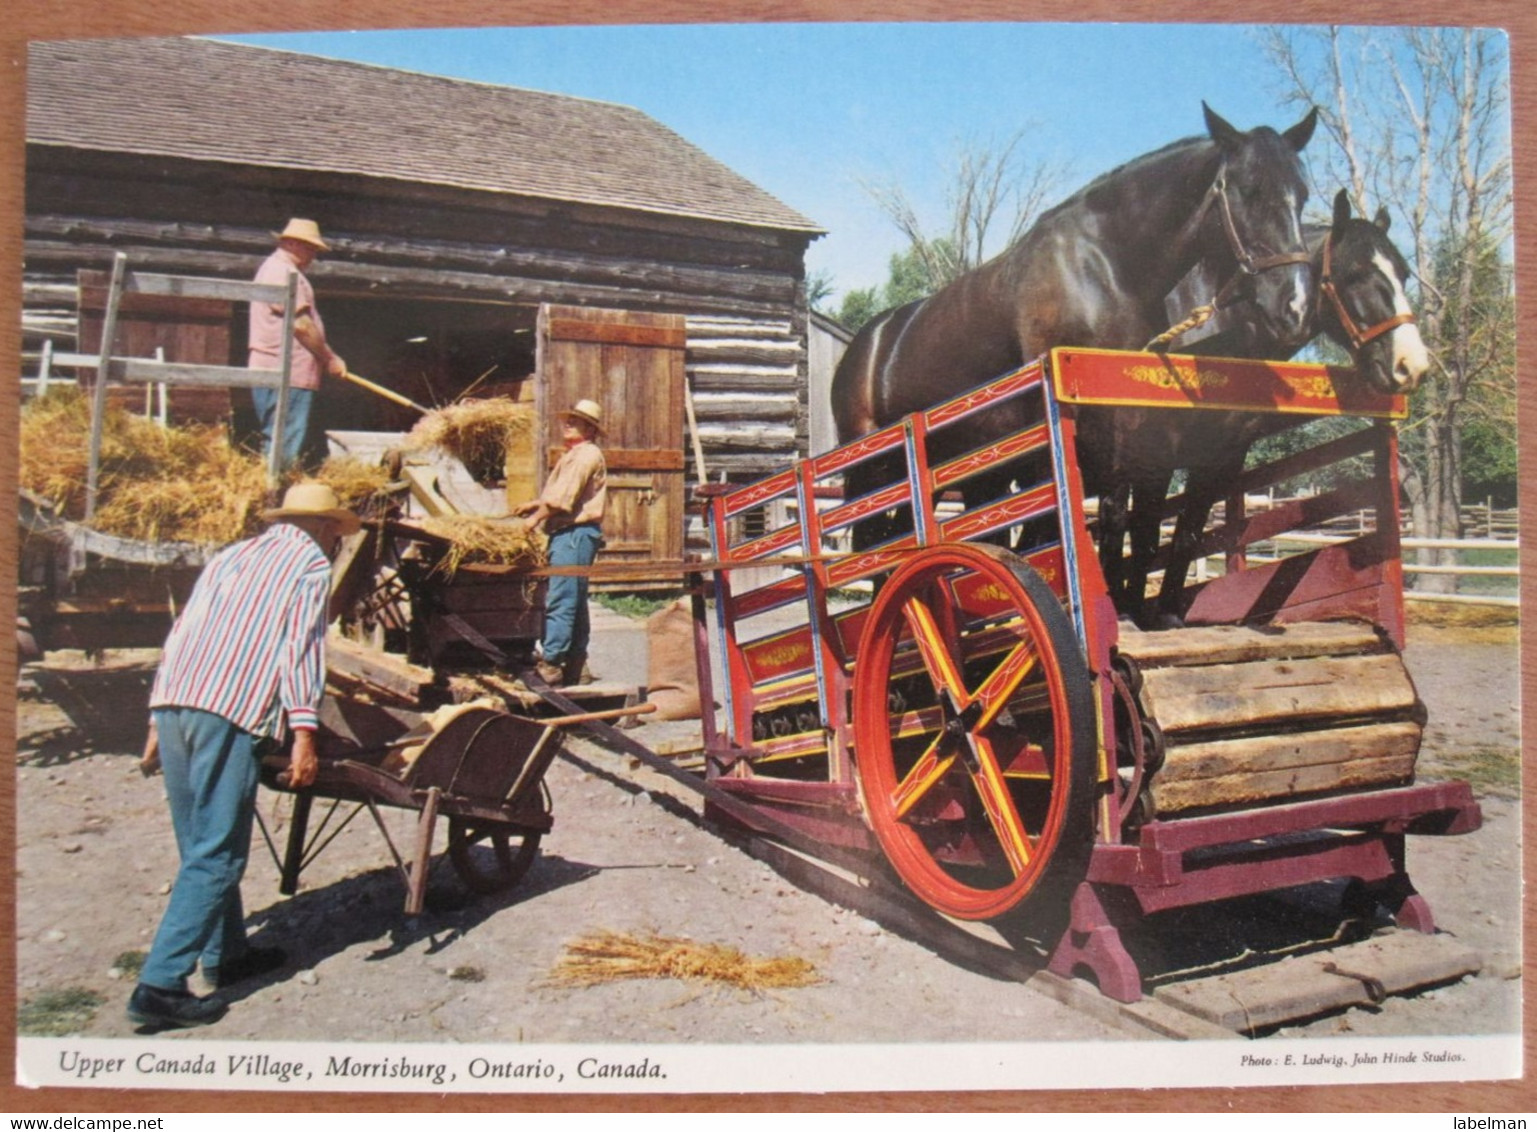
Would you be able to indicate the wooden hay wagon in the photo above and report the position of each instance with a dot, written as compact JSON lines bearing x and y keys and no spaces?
{"x":1015,"y":752}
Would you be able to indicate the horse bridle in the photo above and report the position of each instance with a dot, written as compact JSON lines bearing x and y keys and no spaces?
{"x":1352,"y":329}
{"x":1247,"y":263}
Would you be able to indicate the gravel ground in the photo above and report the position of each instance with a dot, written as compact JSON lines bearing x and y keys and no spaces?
{"x":628,"y":855}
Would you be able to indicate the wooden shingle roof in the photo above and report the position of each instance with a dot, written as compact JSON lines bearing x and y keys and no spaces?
{"x":199,"y":99}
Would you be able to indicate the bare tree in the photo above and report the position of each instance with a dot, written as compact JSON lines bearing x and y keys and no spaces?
{"x":1419,"y":118}
{"x":989,"y":183}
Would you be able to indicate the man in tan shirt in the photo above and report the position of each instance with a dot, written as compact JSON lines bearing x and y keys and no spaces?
{"x":570,"y":509}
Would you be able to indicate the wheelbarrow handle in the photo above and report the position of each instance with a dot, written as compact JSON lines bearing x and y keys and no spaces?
{"x":598,"y":716}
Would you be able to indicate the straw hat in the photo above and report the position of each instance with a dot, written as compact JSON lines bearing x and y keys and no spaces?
{"x":586,"y":410}
{"x":312,"y":499}
{"x":305,"y":231}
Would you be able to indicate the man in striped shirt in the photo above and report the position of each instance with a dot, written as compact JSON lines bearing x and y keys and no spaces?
{"x":244,"y":661}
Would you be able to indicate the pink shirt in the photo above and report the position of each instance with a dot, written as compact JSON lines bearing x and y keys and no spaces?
{"x":267,"y":324}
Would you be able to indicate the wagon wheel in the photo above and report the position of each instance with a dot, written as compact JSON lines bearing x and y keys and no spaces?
{"x":490,"y":858}
{"x":987,"y":798}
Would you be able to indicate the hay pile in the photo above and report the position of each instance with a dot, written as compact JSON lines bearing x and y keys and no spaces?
{"x":479,"y":433}
{"x":355,"y":482}
{"x":498,"y":542}
{"x":610,"y":956}
{"x":186,"y":484}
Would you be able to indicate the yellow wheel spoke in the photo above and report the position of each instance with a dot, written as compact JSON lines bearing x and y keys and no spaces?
{"x":922,"y":778}
{"x":1003,"y":681}
{"x":1001,"y":814}
{"x":937,"y":658}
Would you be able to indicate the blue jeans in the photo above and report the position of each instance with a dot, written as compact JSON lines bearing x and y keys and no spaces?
{"x":295,"y":428}
{"x":567,"y":627}
{"x":211,"y":771}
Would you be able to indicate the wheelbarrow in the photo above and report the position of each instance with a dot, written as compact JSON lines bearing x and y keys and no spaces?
{"x":480,"y":767}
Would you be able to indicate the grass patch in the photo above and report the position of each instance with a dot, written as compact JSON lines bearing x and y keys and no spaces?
{"x":130,"y":963}
{"x":57,"y":1013}
{"x":637,"y":607}
{"x":1489,"y":770}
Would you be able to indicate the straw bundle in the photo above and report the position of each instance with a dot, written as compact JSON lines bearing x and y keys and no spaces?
{"x":501,"y":542}
{"x":479,"y":433}
{"x":185,"y":484}
{"x":610,"y":956}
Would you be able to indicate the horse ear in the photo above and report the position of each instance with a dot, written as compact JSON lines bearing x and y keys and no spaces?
{"x":1341,"y":208}
{"x":1299,"y":135}
{"x":1382,"y":219}
{"x":1221,"y":132}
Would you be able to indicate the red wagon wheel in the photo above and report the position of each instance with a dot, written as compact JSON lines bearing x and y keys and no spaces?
{"x":981,"y":792}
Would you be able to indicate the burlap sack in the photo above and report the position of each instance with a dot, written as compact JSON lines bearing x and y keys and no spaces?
{"x":672,"y":680}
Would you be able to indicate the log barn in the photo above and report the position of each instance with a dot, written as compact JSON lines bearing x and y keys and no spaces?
{"x":524,"y":243}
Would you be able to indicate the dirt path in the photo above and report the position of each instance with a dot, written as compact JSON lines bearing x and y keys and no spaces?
{"x":95,"y":860}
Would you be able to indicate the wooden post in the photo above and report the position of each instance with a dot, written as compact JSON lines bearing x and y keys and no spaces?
{"x":280,"y":417}
{"x":103,"y":371}
{"x":416,"y":894}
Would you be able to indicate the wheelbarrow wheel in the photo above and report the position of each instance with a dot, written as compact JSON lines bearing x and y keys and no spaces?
{"x":984,"y":801}
{"x":490,"y":858}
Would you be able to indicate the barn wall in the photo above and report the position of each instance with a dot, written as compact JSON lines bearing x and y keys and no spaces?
{"x":740,"y":287}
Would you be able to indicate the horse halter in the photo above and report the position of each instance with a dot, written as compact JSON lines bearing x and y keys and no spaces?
{"x":1248,"y":263}
{"x":1353,"y":331}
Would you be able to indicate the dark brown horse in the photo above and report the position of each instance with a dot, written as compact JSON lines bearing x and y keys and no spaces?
{"x":1094,"y":271}
{"x":1362,"y":305}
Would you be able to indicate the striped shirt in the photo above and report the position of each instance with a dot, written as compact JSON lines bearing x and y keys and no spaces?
{"x":250,"y":644}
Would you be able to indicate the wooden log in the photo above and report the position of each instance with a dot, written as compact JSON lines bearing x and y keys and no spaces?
{"x":1228,"y":644}
{"x":1268,"y":693}
{"x":1282,"y":785}
{"x":651,"y":286}
{"x":1265,"y":753}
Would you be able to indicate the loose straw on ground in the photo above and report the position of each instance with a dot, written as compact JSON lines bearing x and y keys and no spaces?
{"x":610,"y":956}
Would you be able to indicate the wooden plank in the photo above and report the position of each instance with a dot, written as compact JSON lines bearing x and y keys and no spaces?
{"x":631,"y":459}
{"x":424,"y":489}
{"x":1272,"y":692}
{"x":618,"y":334}
{"x":1260,"y":753}
{"x":1281,"y":785}
{"x":1299,"y":987}
{"x":1228,"y":644}
{"x":351,"y":662}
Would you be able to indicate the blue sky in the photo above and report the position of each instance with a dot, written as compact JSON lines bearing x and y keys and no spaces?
{"x":808,"y":111}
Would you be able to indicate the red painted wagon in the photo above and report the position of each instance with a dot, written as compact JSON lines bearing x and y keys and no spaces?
{"x":981,"y":717}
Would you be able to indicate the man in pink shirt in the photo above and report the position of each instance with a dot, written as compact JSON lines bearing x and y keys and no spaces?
{"x":298,"y":245}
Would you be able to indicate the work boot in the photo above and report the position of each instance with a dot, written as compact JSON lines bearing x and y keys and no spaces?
{"x":165,"y":1009}
{"x":552,"y":674}
{"x":576,"y":671}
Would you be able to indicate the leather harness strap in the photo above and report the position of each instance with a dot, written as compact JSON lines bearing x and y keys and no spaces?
{"x":1352,"y":329}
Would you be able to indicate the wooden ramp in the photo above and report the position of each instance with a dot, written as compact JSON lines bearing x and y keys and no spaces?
{"x":1306,"y":986}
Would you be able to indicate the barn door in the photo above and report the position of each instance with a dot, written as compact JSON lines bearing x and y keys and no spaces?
{"x":632,"y":365}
